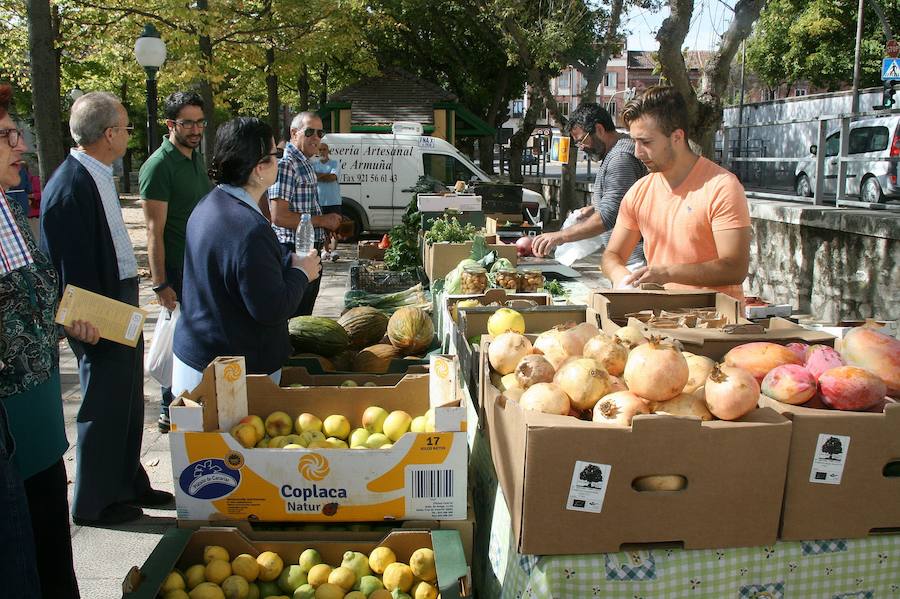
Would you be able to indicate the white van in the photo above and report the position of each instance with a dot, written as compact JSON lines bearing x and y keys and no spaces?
{"x":875,"y":179}
{"x":376,"y":168}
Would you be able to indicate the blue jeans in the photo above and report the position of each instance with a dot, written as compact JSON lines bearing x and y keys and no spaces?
{"x":18,"y":562}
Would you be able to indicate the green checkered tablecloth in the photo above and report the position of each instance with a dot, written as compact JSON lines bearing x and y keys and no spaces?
{"x":835,"y":569}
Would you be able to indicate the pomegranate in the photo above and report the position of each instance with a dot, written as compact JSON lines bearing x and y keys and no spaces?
{"x":631,"y":336}
{"x":820,"y":358}
{"x":620,"y":408}
{"x":532,"y":369}
{"x":507,"y":350}
{"x":877,"y":352}
{"x":851,"y":388}
{"x":549,"y":343}
{"x":523,"y":246}
{"x":547,"y":398}
{"x":790,"y":384}
{"x":610,"y":352}
{"x":685,"y":404}
{"x":574,"y":338}
{"x":656,"y":371}
{"x":799,"y":349}
{"x":616,"y":384}
{"x":584,"y":381}
{"x":731,"y":392}
{"x":759,"y":357}
{"x":513,"y":393}
{"x":699,"y":368}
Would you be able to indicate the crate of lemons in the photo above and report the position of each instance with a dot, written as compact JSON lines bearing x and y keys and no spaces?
{"x":378,"y":575}
{"x":379,"y":429}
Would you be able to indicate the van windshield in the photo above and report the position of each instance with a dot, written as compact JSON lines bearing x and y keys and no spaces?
{"x":449,"y":169}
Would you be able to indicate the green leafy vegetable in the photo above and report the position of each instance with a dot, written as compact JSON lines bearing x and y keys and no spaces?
{"x":448,"y":229}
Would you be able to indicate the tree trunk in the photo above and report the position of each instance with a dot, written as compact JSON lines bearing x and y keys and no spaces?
{"x":206,"y":91}
{"x":51,"y":148}
{"x":520,"y":138}
{"x":272,"y":91}
{"x":610,"y":45}
{"x":494,"y":119}
{"x":126,"y":159}
{"x":885,"y":24}
{"x":323,"y":83}
{"x":303,"y":89}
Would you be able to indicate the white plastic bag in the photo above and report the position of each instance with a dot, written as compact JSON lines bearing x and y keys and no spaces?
{"x":159,"y":359}
{"x":569,"y":253}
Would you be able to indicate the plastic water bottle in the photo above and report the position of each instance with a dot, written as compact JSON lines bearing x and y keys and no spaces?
{"x":304,"y":240}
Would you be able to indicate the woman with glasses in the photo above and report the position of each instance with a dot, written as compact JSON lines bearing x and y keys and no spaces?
{"x":240,"y":285}
{"x":35,"y":533}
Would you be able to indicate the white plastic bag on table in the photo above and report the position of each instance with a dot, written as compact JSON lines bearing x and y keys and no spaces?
{"x":160,"y":356}
{"x":569,"y":253}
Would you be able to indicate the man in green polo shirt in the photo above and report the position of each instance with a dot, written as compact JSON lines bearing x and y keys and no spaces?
{"x":173,"y":179}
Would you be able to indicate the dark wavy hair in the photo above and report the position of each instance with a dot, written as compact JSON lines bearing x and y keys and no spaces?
{"x":5,"y":98}
{"x":241,"y":144}
{"x":178,"y":100}
{"x":664,"y":104}
{"x":587,"y":116}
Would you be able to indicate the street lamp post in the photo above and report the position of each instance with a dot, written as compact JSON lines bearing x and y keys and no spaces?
{"x":627,"y":94}
{"x":150,"y":52}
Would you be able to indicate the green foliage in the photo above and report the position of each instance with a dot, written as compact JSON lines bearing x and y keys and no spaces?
{"x":447,"y":229}
{"x":404,"y":251}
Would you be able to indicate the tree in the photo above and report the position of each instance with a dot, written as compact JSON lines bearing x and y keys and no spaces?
{"x":832,"y":446}
{"x":704,"y":105}
{"x":591,"y":474}
{"x":812,"y":40}
{"x":45,"y":86}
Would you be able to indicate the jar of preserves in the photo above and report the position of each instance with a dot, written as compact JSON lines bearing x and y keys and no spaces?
{"x":531,"y":281}
{"x":507,"y":278}
{"x":474,"y":280}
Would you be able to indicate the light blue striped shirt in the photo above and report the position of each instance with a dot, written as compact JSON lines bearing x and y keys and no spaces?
{"x":103,"y":178}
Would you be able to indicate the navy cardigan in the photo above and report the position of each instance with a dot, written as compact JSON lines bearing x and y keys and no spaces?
{"x":239,"y":288}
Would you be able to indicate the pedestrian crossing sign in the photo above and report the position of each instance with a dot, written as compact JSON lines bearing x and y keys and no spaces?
{"x":890,"y":69}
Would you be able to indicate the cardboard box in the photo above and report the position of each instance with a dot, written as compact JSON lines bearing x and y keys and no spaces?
{"x":446,"y":324}
{"x":424,"y":475}
{"x":613,"y":305}
{"x":452,"y":201}
{"x":117,"y":321}
{"x":369,"y":250}
{"x":568,"y":483}
{"x":181,"y":548}
{"x":838,"y":482}
{"x":441,"y":258}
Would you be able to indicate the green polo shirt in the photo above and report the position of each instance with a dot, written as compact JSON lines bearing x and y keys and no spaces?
{"x":170,"y":176}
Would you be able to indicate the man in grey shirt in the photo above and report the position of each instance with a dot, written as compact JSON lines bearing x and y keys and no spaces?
{"x":593,"y":130}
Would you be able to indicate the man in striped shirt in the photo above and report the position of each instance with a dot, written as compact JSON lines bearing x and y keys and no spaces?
{"x":593,"y":130}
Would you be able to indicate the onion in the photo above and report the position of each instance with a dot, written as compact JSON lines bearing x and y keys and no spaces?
{"x":547,"y":398}
{"x":631,"y":336}
{"x":656,"y":371}
{"x":686,"y":404}
{"x":610,"y":352}
{"x":731,"y":392}
{"x":532,"y":369}
{"x":699,"y":368}
{"x":523,"y":245}
{"x":506,"y":350}
{"x":620,"y":408}
{"x":549,"y":343}
{"x":584,"y":381}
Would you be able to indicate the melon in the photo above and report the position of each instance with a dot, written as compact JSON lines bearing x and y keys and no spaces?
{"x":324,"y":335}
{"x":410,"y":330}
{"x":365,"y":326}
{"x":376,"y":358}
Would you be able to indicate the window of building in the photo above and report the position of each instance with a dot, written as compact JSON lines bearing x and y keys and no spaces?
{"x":564,"y":108}
{"x":563,"y":81}
{"x":518,"y":109}
{"x":612,"y":80}
{"x":800,"y":91}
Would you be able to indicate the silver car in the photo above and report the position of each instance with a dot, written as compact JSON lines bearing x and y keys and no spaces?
{"x":872,"y":180}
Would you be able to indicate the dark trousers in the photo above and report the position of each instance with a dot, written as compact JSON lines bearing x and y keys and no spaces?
{"x":110,"y":422}
{"x":308,"y":301}
{"x":175,"y":276}
{"x":18,"y":562}
{"x":49,"y":509}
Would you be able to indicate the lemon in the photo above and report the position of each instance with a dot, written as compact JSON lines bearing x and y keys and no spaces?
{"x":355,"y":595}
{"x":176,"y":594}
{"x":357,"y":562}
{"x":306,"y":591}
{"x":245,"y":566}
{"x":270,"y":565}
{"x":421,"y":562}
{"x":318,"y":575}
{"x":195,"y":575}
{"x":423,"y":590}
{"x":329,"y":591}
{"x":369,"y":584}
{"x":292,"y":577}
{"x":381,"y":558}
{"x":235,"y":587}
{"x":211,"y":552}
{"x":268,"y":589}
{"x":173,"y":582}
{"x":254,"y":591}
{"x":343,"y":577}
{"x":397,"y":576}
{"x":308,"y":559}
{"x":381,"y":594}
{"x":217,"y":570}
{"x":506,"y":319}
{"x":206,"y":590}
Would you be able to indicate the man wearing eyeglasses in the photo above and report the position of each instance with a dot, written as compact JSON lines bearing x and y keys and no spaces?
{"x":84,"y":234}
{"x":593,"y":130}
{"x":172,"y":181}
{"x":295,"y":193}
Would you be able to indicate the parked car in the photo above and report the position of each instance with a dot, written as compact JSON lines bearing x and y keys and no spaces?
{"x":873,"y":180}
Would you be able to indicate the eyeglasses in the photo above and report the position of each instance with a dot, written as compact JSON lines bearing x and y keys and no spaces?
{"x":266,"y":157}
{"x":12,"y":136}
{"x":187,"y":124}
{"x":129,"y":128}
{"x":580,"y":142}
{"x":320,"y":133}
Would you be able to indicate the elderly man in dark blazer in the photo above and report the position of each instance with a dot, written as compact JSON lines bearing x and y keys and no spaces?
{"x":83,"y":232}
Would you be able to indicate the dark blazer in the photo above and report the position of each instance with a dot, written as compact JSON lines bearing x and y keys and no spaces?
{"x":239,"y":288}
{"x":75,"y":233}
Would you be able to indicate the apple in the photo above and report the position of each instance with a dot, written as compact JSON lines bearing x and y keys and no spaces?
{"x":307,"y":422}
{"x":418,"y":424}
{"x":279,"y":424}
{"x":246,"y":435}
{"x":358,"y":437}
{"x":336,"y":425}
{"x":397,"y":424}
{"x":257,"y":423}
{"x":376,"y":440}
{"x":373,"y":419}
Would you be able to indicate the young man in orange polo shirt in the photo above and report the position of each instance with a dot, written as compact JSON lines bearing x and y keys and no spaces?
{"x":692,"y":213}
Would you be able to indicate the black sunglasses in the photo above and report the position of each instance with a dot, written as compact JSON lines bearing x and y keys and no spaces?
{"x":320,"y":133}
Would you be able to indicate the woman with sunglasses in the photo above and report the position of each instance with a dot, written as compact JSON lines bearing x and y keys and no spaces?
{"x":240,"y":285}
{"x":36,"y":553}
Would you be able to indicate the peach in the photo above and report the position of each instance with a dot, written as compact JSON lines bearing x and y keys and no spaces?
{"x":799,"y":349}
{"x":759,"y":357}
{"x":876,"y":352}
{"x":851,"y":388}
{"x":820,"y":358}
{"x":789,"y":383}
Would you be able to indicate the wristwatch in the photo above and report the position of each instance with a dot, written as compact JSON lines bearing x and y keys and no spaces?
{"x":161,"y":286}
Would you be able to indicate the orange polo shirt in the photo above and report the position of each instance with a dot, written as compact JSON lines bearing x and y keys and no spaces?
{"x":678,"y":224}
